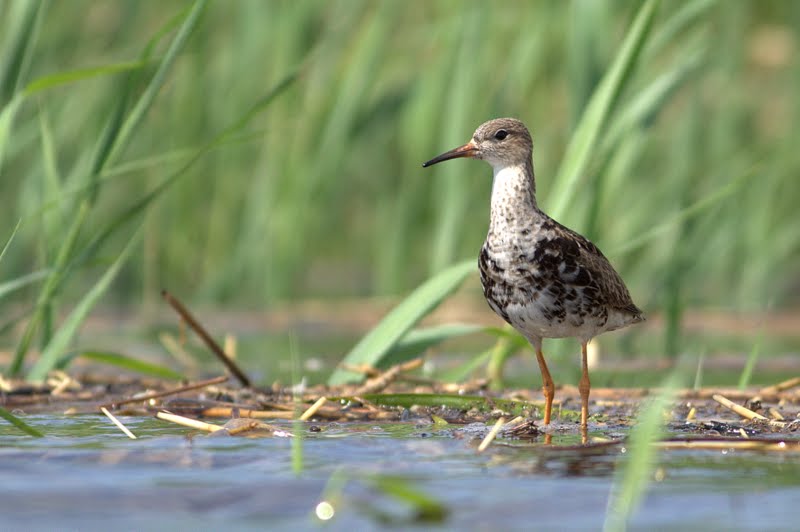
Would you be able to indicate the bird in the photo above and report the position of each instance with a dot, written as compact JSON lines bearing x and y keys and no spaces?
{"x":544,"y":279}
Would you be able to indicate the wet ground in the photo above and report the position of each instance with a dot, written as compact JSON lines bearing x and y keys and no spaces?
{"x":359,"y":465}
{"x":404,"y":454}
{"x":87,"y":475}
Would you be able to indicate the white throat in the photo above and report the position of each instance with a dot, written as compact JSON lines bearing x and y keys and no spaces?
{"x":512,"y":189}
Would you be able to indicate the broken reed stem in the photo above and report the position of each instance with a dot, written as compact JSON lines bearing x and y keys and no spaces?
{"x":492,"y":434}
{"x":190,"y":320}
{"x":780,"y":387}
{"x":227,"y":412}
{"x":313,"y":408}
{"x":720,"y":445}
{"x":744,"y":412}
{"x":188,"y":422}
{"x":118,"y":423}
{"x":739,"y":409}
{"x":775,"y":414}
{"x":173,"y":391}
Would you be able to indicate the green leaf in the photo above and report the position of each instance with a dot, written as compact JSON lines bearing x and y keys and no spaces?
{"x":58,"y":344}
{"x":593,"y":121}
{"x":131,"y":364}
{"x":374,"y":346}
{"x":21,"y":425}
{"x":459,"y":402}
{"x":463,"y":371}
{"x":425,"y":508}
{"x":418,"y":341}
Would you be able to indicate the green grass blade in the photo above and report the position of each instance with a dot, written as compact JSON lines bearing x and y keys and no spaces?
{"x":594,"y":119}
{"x":750,"y":364}
{"x":8,"y":243}
{"x":18,"y":46}
{"x":502,"y":350}
{"x":131,"y":364}
{"x":698,"y":375}
{"x":21,"y":425}
{"x":7,"y":115}
{"x":22,"y":281}
{"x":58,"y":344}
{"x":151,"y":91}
{"x":692,"y":210}
{"x":686,"y":14}
{"x":139,"y":206}
{"x":633,"y":475}
{"x":653,"y":97}
{"x":114,"y":138}
{"x":48,"y":290}
{"x":380,"y":340}
{"x":50,"y":81}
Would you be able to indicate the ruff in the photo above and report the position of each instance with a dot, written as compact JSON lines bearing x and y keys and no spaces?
{"x":544,"y":279}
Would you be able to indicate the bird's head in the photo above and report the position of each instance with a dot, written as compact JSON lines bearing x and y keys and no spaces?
{"x":500,"y":142}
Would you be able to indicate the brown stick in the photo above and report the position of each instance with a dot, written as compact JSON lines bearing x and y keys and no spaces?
{"x":210,"y":343}
{"x":173,"y":391}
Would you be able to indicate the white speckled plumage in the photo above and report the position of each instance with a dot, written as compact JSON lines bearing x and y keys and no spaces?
{"x":544,"y":279}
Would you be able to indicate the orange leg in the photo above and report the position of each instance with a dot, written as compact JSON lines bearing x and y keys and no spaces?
{"x":584,"y":388}
{"x":547,"y":384}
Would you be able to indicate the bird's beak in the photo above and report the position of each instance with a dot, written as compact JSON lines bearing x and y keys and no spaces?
{"x":467,"y":150}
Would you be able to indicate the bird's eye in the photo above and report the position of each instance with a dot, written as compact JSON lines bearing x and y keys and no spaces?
{"x":501,"y":134}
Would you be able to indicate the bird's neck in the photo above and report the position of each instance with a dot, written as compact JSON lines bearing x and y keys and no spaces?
{"x":513,"y":196}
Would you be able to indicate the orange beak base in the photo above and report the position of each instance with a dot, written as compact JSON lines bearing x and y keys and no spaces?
{"x":467,"y":150}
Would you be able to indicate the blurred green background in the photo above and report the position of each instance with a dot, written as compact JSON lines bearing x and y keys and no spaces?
{"x":692,"y":190}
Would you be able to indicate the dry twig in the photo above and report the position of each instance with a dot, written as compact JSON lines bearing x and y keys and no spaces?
{"x":203,"y":334}
{"x":384,"y":379}
{"x":173,"y":391}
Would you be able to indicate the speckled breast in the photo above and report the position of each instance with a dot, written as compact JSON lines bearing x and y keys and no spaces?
{"x":539,"y":288}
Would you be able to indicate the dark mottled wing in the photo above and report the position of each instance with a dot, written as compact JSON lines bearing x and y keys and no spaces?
{"x":585,"y":264}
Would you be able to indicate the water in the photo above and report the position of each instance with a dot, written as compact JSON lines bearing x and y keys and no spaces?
{"x":86,"y":475}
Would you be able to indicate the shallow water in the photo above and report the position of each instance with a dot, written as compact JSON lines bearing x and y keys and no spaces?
{"x":88,"y":475}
